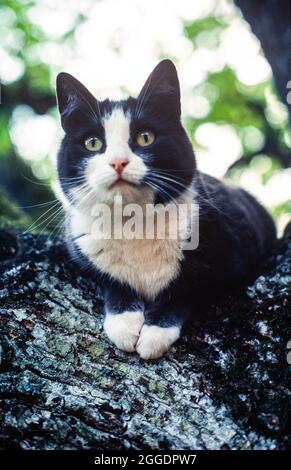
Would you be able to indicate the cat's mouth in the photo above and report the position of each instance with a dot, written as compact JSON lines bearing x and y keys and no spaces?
{"x":121,"y":182}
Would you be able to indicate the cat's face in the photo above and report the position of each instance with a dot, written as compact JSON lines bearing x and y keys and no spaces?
{"x":136,"y":148}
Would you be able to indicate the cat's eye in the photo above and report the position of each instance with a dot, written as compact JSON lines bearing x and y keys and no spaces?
{"x":94,"y":144}
{"x":145,"y":138}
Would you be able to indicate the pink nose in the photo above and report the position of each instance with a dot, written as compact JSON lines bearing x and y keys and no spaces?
{"x":119,"y":165}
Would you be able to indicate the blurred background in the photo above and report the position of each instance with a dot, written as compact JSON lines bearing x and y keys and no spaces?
{"x":232,"y":59}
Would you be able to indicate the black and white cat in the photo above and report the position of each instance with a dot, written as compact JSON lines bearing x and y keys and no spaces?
{"x":138,"y":148}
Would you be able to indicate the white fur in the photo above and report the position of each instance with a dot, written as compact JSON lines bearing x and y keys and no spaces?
{"x":123,"y":329}
{"x":147,"y":265}
{"x":154,"y":341}
{"x":100,"y":175}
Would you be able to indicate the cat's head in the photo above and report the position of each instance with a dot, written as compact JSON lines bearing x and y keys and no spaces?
{"x":136,"y":147}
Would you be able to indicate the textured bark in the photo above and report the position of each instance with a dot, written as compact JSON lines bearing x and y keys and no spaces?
{"x":64,"y":386}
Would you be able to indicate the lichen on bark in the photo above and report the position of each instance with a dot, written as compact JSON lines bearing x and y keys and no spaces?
{"x":63,"y":385}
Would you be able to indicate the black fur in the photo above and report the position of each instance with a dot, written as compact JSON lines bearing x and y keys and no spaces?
{"x":157,"y":108}
{"x":236,"y":233}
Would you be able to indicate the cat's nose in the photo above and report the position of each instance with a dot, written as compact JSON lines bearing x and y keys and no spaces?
{"x":119,"y":165}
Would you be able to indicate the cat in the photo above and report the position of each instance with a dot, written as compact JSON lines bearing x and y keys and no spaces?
{"x":138,"y":149}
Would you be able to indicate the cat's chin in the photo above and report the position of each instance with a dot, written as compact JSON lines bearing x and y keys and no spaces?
{"x":122,"y":183}
{"x":131,"y":193}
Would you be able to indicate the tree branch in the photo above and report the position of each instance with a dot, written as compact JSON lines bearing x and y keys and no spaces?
{"x":64,"y":386}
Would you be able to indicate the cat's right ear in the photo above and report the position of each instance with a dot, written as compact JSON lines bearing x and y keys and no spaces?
{"x":162,"y":90}
{"x":71,"y":94}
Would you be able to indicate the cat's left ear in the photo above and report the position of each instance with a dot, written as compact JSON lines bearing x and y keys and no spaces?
{"x":72,"y":95}
{"x":162,"y":89}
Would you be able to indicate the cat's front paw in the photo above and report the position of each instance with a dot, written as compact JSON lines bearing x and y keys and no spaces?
{"x":123,"y":329}
{"x":154,"y":340}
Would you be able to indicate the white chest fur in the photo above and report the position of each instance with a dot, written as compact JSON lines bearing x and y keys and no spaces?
{"x":147,"y":265}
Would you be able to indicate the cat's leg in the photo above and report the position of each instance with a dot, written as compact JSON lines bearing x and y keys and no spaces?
{"x":124,"y":316}
{"x":162,"y":328}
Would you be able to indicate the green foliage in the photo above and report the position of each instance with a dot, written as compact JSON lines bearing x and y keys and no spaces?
{"x":11,"y":215}
{"x":231,"y":105}
{"x":6,"y":144}
{"x":38,"y":77}
{"x":253,"y":112}
{"x":207,"y":29}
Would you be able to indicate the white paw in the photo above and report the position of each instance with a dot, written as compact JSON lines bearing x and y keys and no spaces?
{"x":123,"y":329}
{"x":154,"y":341}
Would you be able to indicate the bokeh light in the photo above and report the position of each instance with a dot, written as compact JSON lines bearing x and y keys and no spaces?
{"x":229,"y":102}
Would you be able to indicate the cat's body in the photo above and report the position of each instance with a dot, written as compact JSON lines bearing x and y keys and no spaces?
{"x":151,"y":286}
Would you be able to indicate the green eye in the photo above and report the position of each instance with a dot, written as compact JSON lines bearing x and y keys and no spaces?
{"x":94,"y":144}
{"x":145,"y":138}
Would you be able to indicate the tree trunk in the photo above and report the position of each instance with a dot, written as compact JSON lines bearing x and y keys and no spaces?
{"x":64,"y":386}
{"x":270,"y":21}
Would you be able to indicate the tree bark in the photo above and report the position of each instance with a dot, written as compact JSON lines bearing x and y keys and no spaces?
{"x":63,"y":385}
{"x":270,"y":21}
